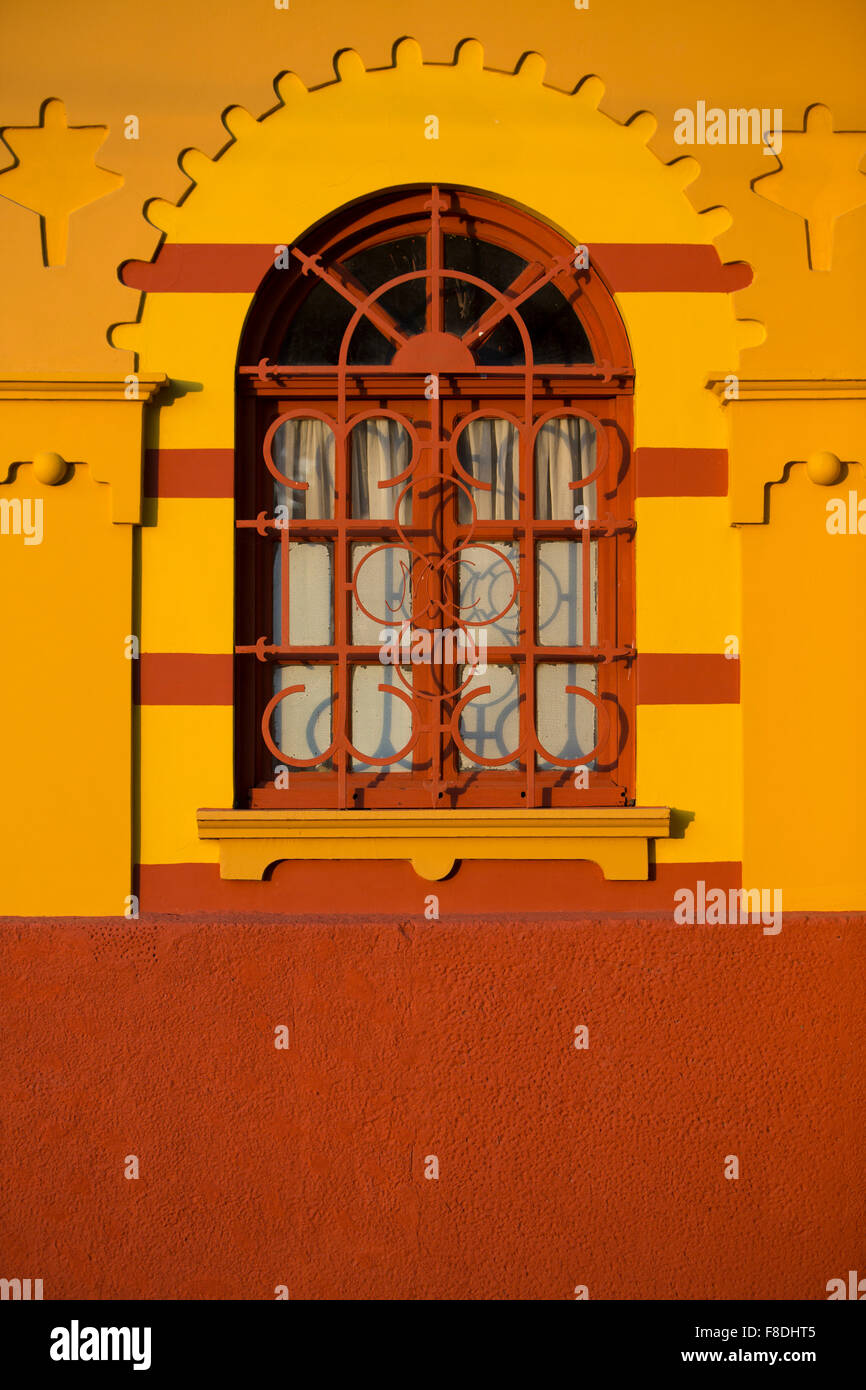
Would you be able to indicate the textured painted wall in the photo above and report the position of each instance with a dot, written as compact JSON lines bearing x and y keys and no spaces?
{"x":408,"y":1038}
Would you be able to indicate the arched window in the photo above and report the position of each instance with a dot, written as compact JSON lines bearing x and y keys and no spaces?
{"x":434,"y":502}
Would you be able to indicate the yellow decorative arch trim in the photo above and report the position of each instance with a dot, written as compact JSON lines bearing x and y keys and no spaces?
{"x":507,"y":134}
{"x":546,"y":149}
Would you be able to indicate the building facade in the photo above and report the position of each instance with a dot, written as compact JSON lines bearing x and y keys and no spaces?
{"x":442,"y":499}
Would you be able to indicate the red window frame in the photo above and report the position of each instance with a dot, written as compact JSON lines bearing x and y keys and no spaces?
{"x":528,"y":393}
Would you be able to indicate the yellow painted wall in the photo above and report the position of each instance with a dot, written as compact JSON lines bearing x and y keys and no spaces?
{"x":690,"y":759}
{"x":66,"y":704}
{"x":187,"y":567}
{"x":804,"y":674}
{"x":187,"y":764}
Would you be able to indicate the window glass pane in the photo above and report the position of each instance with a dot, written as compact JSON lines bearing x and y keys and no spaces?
{"x":381,"y":724}
{"x":301,"y":723}
{"x":380,"y":449}
{"x":567,"y":724}
{"x":489,"y":450}
{"x":560,"y":594}
{"x":556,"y":333}
{"x":303,"y":450}
{"x":486,"y":587}
{"x":384,"y":586}
{"x":490,"y":724}
{"x":482,"y":259}
{"x":385,"y":261}
{"x":565,"y":452}
{"x":316,"y":331}
{"x":369,"y":347}
{"x":503,"y":348}
{"x":462,"y":305}
{"x":407,"y":305}
{"x":311,"y":603}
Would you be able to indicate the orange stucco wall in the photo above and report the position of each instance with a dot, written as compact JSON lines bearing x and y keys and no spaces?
{"x":559,"y":1167}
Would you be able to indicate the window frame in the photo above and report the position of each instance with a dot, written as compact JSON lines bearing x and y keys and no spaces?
{"x":604,"y":389}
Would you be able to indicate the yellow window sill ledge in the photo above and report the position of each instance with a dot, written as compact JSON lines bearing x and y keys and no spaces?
{"x":616,"y":837}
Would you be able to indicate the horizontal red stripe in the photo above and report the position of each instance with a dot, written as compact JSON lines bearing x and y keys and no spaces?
{"x":188,"y":269}
{"x":660,"y":472}
{"x":230,"y":268}
{"x":189,"y":473}
{"x":316,"y":887}
{"x":185,"y":678}
{"x":681,"y":472}
{"x":660,"y":266}
{"x":687,"y":679}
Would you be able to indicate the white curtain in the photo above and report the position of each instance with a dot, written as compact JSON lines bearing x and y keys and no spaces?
{"x":564,"y":453}
{"x":303,"y":450}
{"x":490,"y":724}
{"x":488,"y":449}
{"x":381,"y":724}
{"x":567,"y":724}
{"x":380,"y":450}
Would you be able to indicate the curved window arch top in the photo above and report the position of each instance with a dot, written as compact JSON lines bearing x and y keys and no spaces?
{"x":447,"y":280}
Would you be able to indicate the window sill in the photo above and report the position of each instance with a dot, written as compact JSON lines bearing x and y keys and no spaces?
{"x":616,"y":838}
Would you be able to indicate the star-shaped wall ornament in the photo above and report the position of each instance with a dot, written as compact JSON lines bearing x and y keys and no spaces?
{"x":55,"y":173}
{"x":818,"y":178}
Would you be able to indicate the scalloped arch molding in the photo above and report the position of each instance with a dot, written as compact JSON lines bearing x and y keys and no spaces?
{"x":510,"y":135}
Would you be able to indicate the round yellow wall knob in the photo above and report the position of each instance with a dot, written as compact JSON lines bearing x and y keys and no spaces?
{"x":49,"y":468}
{"x":824,"y":468}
